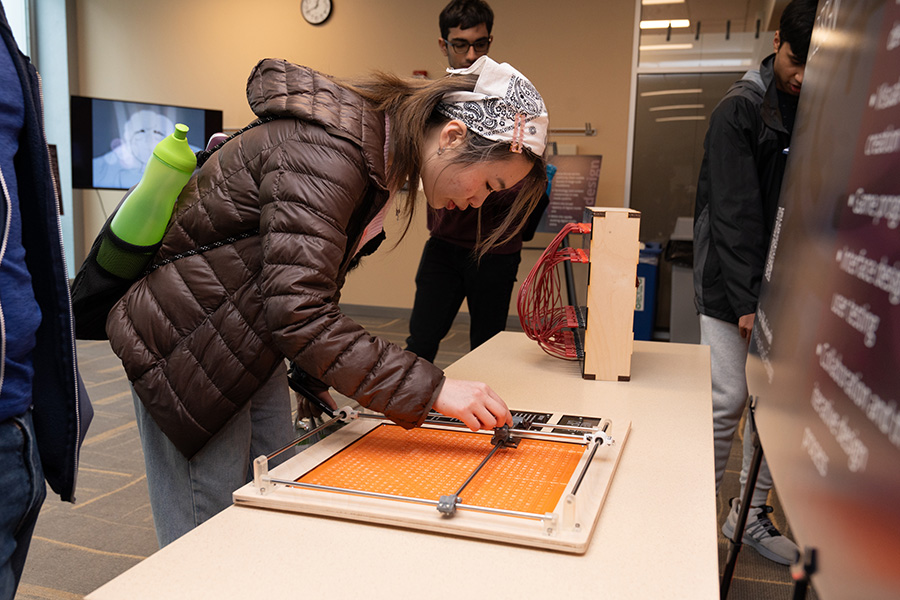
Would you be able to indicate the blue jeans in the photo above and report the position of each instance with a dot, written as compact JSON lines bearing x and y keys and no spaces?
{"x":185,"y":493}
{"x":23,"y":493}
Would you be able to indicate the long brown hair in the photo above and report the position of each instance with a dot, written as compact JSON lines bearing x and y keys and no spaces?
{"x":411,"y":105}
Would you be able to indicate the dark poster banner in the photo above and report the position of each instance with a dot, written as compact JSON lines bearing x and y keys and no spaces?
{"x":574,"y":186}
{"x":825,"y":357}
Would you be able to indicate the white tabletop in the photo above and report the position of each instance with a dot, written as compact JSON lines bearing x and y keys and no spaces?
{"x":655,"y":538}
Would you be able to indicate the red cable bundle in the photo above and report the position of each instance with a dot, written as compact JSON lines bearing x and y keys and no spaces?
{"x":542,"y":313}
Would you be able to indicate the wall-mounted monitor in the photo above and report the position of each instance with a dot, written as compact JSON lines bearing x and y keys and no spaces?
{"x":112,"y":140}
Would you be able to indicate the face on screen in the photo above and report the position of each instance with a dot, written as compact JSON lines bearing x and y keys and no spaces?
{"x":143,"y":130}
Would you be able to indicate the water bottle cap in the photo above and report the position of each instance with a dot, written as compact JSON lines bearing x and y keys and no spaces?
{"x":175,"y":152}
{"x":180,"y":132}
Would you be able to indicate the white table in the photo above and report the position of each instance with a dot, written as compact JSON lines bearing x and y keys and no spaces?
{"x":656,"y":536}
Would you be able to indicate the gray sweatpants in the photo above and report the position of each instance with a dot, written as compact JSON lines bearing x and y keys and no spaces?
{"x":728,"y":354}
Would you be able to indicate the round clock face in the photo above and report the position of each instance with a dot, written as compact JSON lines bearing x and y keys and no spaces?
{"x":315,"y":11}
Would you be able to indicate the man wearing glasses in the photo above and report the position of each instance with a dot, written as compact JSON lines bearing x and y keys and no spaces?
{"x":448,"y":271}
{"x":465,"y":31}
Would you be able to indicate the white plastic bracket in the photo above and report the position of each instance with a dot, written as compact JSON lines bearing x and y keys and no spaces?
{"x":261,"y":477}
{"x":346,"y":414}
{"x":570,"y":503}
{"x":550,"y":524}
{"x":601,"y":434}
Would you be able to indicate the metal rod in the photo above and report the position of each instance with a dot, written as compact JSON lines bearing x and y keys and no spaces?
{"x":522,"y":433}
{"x":456,"y":424}
{"x":329,"y":488}
{"x":585,"y":468}
{"x":590,"y":460}
{"x":525,"y":433}
{"x":363,"y":415}
{"x":327,"y":423}
{"x":568,"y":427}
{"x":478,"y":468}
{"x":485,"y":509}
{"x":561,"y":438}
{"x":531,"y":433}
{"x":500,"y":511}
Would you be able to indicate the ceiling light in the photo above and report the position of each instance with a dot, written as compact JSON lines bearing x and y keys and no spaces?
{"x":652,"y":2}
{"x":667,"y":92}
{"x":669,"y":119}
{"x":674,"y":24}
{"x":676,"y":107}
{"x":651,"y":47}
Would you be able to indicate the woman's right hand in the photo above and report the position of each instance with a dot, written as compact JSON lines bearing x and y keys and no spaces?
{"x":474,"y":403}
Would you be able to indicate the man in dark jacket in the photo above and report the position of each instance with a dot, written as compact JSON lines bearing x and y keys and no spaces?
{"x":41,"y":426}
{"x":746,"y":151}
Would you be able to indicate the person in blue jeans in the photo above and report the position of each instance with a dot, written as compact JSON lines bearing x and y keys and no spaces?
{"x":41,"y":422}
{"x":298,"y":199}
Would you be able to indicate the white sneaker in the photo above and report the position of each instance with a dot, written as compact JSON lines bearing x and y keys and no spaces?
{"x":761,"y":534}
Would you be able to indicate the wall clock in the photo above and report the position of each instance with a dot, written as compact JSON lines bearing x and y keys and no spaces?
{"x":315,"y":12}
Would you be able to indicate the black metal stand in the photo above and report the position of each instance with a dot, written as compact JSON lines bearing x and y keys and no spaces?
{"x":801,"y":572}
{"x":738,"y":535}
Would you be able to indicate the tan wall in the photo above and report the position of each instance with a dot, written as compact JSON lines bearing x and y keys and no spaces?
{"x":199,"y":53}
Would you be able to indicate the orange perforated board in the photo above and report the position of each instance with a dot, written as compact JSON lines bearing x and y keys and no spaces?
{"x":533,"y":482}
{"x":429,"y":463}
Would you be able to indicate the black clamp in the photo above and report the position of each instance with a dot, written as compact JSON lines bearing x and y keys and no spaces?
{"x":502,"y":436}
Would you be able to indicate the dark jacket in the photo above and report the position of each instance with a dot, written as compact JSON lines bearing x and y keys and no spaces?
{"x":737,"y":195}
{"x":461,"y":227}
{"x":199,"y":335}
{"x":61,"y":409}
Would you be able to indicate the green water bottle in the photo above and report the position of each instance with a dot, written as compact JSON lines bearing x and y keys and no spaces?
{"x":140,"y":222}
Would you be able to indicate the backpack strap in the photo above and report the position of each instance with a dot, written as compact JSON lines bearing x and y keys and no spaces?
{"x":203,"y":155}
{"x":200,"y":250}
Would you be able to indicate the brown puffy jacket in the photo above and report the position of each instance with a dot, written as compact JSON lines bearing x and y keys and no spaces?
{"x":200,"y":334}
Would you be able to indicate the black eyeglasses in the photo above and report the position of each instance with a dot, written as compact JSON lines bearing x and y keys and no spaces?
{"x":462,"y":47}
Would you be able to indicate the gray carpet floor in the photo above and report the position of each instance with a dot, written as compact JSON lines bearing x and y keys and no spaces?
{"x":78,"y":547}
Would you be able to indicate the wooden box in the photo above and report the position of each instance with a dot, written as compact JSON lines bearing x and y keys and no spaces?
{"x":609,"y":331}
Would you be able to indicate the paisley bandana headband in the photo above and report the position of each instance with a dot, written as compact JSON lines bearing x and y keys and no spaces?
{"x":504,"y":106}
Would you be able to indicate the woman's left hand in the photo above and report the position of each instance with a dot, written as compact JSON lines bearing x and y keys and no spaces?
{"x":307,"y":409}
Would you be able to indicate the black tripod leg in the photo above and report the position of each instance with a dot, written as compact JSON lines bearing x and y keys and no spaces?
{"x":749,"y":486}
{"x":802,"y":571}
